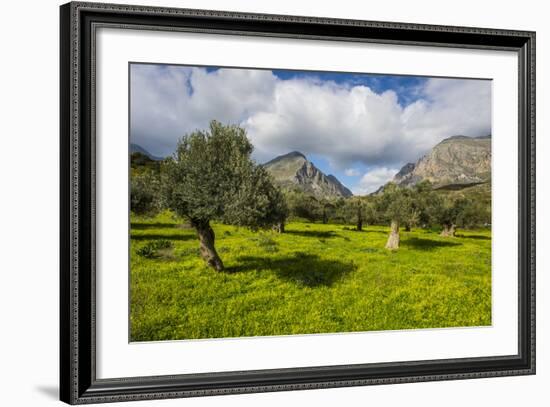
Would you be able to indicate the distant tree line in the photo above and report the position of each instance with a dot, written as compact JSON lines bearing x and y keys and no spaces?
{"x":211,"y":177}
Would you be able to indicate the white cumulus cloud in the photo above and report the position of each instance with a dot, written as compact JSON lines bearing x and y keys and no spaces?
{"x":169,"y":101}
{"x":348,"y":124}
{"x":373,"y":179}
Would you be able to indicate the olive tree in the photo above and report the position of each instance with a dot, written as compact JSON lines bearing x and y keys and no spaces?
{"x":145,"y":193}
{"x":475,"y":213}
{"x":360,"y":211}
{"x":424,"y":204}
{"x":460,"y":211}
{"x":396,"y":204}
{"x":302,"y":205}
{"x":327,"y":208}
{"x":211,"y":176}
{"x":281,"y":213}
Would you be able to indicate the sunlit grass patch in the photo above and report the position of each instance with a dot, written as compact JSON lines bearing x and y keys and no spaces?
{"x":314,"y":278}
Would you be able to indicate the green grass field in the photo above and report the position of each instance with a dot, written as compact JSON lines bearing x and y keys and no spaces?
{"x":312,"y":279}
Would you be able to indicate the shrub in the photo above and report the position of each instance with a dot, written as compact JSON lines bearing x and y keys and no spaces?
{"x":151,"y":249}
{"x":145,"y":194}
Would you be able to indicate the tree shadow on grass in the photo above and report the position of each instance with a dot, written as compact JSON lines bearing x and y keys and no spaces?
{"x":319,"y":234}
{"x":478,"y":237}
{"x":384,"y":232}
{"x":303,"y":269}
{"x":426,"y":244}
{"x":163,"y":236}
{"x":364,"y":230}
{"x":156,"y":225}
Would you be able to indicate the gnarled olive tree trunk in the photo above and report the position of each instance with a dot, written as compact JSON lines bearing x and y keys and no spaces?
{"x":448,"y":230}
{"x":279,"y":227}
{"x":393,"y":239}
{"x":206,"y":240}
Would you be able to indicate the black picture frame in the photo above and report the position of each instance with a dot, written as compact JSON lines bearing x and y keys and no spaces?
{"x":78,"y":382}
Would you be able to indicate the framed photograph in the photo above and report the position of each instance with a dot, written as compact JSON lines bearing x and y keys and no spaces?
{"x":254,"y":203}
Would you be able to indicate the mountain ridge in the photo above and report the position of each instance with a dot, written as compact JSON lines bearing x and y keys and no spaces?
{"x":136,"y":148}
{"x":455,"y":161}
{"x":294,"y":170}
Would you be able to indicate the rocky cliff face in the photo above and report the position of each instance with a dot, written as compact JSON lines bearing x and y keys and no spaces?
{"x":456,"y":161}
{"x":293,"y":170}
{"x":405,"y":176}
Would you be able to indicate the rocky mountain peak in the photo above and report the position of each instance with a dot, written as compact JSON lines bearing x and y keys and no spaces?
{"x":294,"y":170}
{"x":455,"y":161}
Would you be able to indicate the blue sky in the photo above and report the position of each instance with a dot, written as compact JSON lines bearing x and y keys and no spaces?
{"x":359,"y":127}
{"x":405,"y":86}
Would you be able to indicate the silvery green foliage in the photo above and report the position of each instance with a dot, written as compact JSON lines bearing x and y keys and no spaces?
{"x":462,"y":211}
{"x":396,"y":204}
{"x":212,"y":177}
{"x":360,"y":210}
{"x":145,"y":193}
